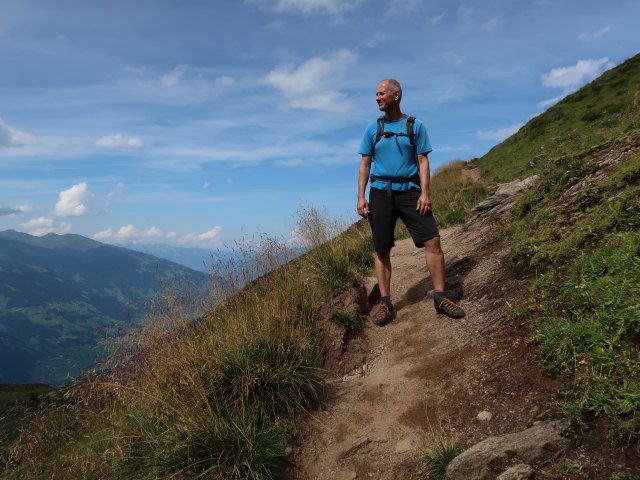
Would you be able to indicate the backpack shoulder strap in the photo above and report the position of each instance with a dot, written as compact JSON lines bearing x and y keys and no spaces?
{"x":380,"y":130}
{"x":410,"y":123}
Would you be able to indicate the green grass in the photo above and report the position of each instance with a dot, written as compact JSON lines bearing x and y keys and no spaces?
{"x":453,"y":194}
{"x":577,"y":231}
{"x":606,"y":109}
{"x":433,"y":464}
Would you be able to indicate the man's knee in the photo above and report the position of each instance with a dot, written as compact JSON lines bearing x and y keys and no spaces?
{"x":433,"y":245}
{"x":384,"y":255}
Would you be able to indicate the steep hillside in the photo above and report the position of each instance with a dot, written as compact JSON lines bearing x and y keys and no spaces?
{"x":60,"y":295}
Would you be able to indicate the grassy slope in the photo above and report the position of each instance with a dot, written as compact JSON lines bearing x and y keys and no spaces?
{"x":212,"y":403}
{"x":583,"y":247}
{"x":606,"y":109}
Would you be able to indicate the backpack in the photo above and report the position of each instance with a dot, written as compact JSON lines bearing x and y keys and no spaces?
{"x":381,"y":133}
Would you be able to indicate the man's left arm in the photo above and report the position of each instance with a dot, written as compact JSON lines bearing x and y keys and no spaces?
{"x":424,"y":202}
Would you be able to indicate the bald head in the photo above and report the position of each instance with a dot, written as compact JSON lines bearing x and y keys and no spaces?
{"x":388,"y":96}
{"x":393,"y":85}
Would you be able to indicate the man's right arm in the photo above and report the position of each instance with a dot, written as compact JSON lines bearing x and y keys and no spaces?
{"x":363,"y":177}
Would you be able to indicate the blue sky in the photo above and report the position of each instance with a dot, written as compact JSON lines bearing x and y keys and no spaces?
{"x":199,"y":122}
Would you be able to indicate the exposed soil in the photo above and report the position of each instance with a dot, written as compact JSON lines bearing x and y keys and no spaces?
{"x":396,"y":390}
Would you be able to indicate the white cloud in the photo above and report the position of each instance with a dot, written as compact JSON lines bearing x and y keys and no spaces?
{"x":491,"y":25}
{"x":551,"y":101}
{"x":229,"y":181}
{"x":118,"y":141}
{"x":224,"y":81}
{"x":129,"y":232}
{"x":499,"y":134}
{"x":574,"y":76}
{"x":592,"y":35}
{"x":311,"y":6}
{"x":119,"y":188}
{"x":207,"y":238}
{"x":11,"y":137}
{"x":437,"y":19}
{"x":135,"y":70}
{"x":460,"y":148}
{"x":206,"y":185}
{"x":103,"y":235}
{"x":40,"y":222}
{"x":72,"y":202}
{"x":60,"y":229}
{"x":6,"y":210}
{"x":174,"y":77}
{"x":296,"y":162}
{"x":302,"y":84}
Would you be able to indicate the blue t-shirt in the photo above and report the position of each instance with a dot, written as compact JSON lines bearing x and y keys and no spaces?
{"x":394,"y":159}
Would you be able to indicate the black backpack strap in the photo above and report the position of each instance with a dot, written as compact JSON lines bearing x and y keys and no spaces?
{"x":410,"y":123}
{"x":380,"y":131}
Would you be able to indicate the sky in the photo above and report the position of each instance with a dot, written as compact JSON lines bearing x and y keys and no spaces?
{"x":207,"y":122}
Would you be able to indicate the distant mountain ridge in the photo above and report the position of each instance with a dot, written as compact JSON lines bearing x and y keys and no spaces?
{"x":59,"y":294}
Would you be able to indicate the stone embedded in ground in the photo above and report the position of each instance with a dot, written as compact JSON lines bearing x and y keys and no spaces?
{"x":404,"y":445}
{"x":354,"y":447}
{"x":522,"y":471}
{"x":484,"y":416}
{"x":349,"y":475}
{"x":485,"y":460}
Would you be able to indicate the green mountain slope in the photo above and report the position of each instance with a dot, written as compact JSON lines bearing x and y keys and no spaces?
{"x":61,"y":294}
{"x":606,"y":109}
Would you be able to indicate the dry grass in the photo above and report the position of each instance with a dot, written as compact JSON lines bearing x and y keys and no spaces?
{"x":206,"y":389}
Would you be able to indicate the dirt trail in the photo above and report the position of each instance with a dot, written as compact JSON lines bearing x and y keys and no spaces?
{"x":425,"y":376}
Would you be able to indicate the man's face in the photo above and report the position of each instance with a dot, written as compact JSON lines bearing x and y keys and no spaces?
{"x":385,"y":97}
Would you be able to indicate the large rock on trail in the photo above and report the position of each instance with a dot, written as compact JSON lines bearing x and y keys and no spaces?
{"x":534,"y":446}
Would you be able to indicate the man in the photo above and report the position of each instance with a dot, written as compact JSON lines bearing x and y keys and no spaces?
{"x":399,"y":189}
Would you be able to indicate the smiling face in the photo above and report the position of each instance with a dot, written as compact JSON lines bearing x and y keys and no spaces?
{"x":387,"y":98}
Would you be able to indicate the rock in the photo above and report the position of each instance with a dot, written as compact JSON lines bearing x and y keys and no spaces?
{"x":348,"y":475}
{"x":484,"y":416}
{"x":505,"y":193}
{"x":486,"y":459}
{"x":404,"y":445}
{"x":354,"y":447}
{"x":521,"y":471}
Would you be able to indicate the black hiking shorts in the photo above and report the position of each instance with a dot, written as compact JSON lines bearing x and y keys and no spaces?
{"x":385,"y":209}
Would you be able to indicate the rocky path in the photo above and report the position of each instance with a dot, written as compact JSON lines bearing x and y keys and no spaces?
{"x":424,"y":377}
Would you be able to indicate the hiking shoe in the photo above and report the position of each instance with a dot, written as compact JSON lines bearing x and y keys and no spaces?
{"x":382,"y":315}
{"x":447,"y":307}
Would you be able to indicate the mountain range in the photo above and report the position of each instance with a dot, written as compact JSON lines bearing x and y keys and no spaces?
{"x":62,"y":295}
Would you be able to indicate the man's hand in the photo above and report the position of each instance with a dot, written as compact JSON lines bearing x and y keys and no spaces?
{"x":424,"y":204}
{"x":363,"y":207}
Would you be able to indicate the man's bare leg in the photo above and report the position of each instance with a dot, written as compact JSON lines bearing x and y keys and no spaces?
{"x":435,"y":265}
{"x":435,"y":262}
{"x":383,"y":272}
